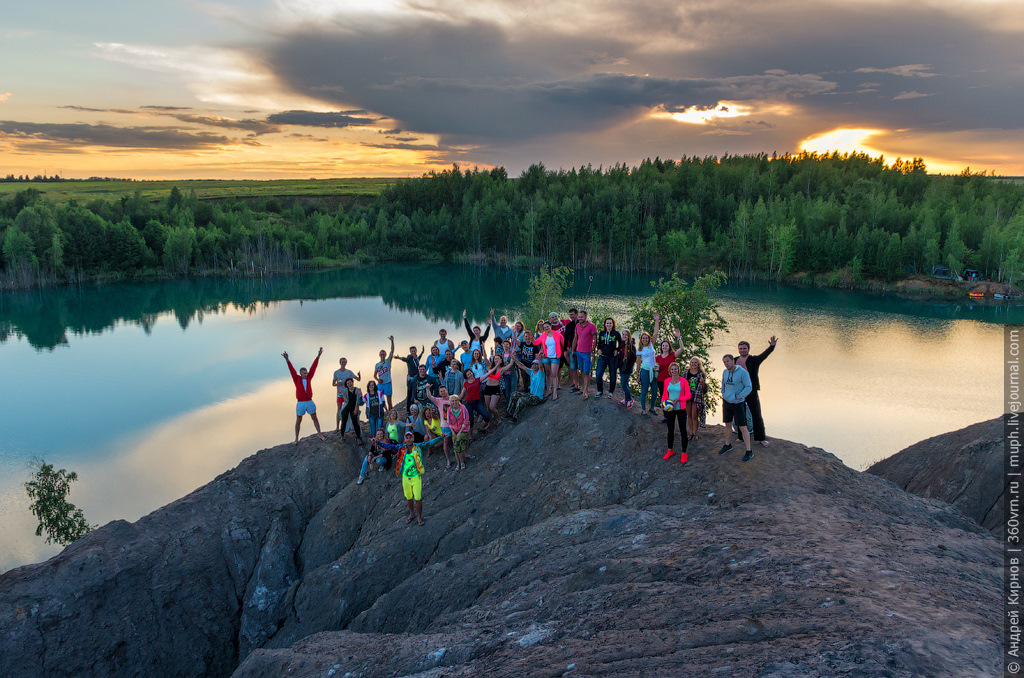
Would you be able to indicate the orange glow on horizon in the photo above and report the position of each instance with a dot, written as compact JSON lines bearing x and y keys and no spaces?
{"x":842,"y":141}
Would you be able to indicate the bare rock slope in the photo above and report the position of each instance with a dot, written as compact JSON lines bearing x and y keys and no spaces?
{"x":963,"y":468}
{"x":567,"y":547}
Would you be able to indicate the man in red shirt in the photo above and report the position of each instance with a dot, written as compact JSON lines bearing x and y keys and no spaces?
{"x":303,"y":381}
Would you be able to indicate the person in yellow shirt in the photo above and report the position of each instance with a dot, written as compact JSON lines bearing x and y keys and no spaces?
{"x":409,"y":467}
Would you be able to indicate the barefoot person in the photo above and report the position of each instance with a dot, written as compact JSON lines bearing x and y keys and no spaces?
{"x":673,"y":401}
{"x":735,"y":389}
{"x":303,"y":381}
{"x":340,"y":375}
{"x":752,"y":364}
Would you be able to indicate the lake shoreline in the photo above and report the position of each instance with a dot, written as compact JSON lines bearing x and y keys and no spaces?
{"x":919,"y":288}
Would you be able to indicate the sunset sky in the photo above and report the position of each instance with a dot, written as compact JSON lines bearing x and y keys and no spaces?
{"x":322,"y":88}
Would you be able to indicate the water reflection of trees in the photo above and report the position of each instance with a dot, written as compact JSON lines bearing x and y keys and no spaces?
{"x":46,"y":317}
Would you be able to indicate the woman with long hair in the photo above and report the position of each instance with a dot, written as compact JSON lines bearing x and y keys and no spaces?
{"x":471,"y":397}
{"x":673,"y":397}
{"x":551,"y":345}
{"x":666,"y":359}
{"x":375,"y":407}
{"x":609,"y":344}
{"x":646,"y":373}
{"x":628,"y":358}
{"x":492,"y":387}
{"x":696,"y":413}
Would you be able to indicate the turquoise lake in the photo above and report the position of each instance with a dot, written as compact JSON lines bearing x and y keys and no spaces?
{"x":150,"y":390}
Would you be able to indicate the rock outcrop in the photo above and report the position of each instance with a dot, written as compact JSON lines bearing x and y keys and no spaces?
{"x":963,"y":468}
{"x":568,"y":547}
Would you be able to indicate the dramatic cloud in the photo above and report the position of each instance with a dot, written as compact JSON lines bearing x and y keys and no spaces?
{"x":496,"y":77}
{"x":80,"y":134}
{"x":317,"y":119}
{"x":4,"y":96}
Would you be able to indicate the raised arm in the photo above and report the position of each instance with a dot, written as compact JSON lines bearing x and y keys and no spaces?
{"x":290,"y":368}
{"x":392,"y":354}
{"x":657,"y":327}
{"x":465,"y":321}
{"x":679,"y":343}
{"x":316,"y":361}
{"x":771,"y":347}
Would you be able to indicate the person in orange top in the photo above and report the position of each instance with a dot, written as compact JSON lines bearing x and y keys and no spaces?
{"x":551,"y":345}
{"x":303,"y":381}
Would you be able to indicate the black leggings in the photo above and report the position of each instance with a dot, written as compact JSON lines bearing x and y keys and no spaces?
{"x":673,"y":416}
{"x":345,"y":413}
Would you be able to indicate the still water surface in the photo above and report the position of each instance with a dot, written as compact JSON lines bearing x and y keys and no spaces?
{"x":150,"y":390}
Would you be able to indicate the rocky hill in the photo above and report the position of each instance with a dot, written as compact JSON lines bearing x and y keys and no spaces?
{"x":963,"y":468}
{"x":568,"y":547}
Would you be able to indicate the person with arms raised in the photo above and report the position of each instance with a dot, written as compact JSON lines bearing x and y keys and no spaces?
{"x":476,"y":340}
{"x":303,"y":380}
{"x":382,"y":372}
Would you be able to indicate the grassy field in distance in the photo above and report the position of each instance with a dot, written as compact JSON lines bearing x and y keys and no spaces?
{"x":84,"y":191}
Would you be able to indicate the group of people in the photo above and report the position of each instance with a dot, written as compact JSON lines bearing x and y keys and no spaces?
{"x":451,"y":388}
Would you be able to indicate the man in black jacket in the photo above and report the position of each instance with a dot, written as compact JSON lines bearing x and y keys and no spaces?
{"x":752,"y":363}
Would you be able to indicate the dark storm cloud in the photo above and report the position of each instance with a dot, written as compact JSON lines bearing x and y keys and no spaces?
{"x":471,"y":82}
{"x":969,"y":69}
{"x":317,"y":119}
{"x":844,"y":64}
{"x":77,"y":135}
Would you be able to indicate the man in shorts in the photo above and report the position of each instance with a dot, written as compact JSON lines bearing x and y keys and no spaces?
{"x":303,"y":381}
{"x":340,"y":375}
{"x":735,"y":389}
{"x":382,"y":372}
{"x":584,"y":349}
{"x":409,"y":467}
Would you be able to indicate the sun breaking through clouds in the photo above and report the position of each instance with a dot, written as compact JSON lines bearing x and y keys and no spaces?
{"x":298,"y":88}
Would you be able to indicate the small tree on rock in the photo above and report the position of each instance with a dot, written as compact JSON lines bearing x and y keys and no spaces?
{"x":689,"y":308}
{"x":48,"y":491}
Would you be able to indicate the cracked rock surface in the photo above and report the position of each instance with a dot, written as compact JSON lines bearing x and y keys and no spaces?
{"x":567,"y":547}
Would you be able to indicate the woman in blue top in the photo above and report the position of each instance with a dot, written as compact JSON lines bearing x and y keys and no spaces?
{"x":673,"y":399}
{"x":432,"y":361}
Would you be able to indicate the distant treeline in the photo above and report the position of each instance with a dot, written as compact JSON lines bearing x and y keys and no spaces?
{"x":839,"y":218}
{"x":41,"y":178}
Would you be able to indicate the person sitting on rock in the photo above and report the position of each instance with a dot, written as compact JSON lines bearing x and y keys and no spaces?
{"x":377,"y":454}
{"x":520,"y":401}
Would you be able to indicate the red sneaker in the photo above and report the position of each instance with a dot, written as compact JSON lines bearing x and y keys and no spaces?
{"x":668,"y":454}
{"x":682,"y":458}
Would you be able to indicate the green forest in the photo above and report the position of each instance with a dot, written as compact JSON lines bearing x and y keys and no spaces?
{"x":840,"y":219}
